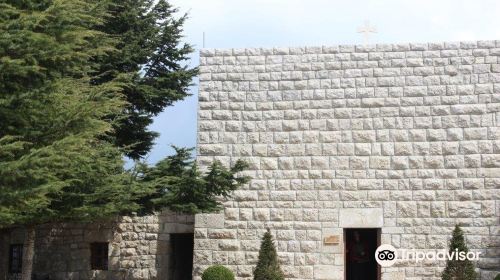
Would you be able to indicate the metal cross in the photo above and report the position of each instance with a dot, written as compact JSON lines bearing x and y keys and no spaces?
{"x":366,"y":29}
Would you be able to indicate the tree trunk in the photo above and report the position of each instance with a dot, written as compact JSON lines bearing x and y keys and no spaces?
{"x":28,"y":253}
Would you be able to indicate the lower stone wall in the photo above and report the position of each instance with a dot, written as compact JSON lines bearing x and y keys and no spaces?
{"x":230,"y":239}
{"x":138,"y":247}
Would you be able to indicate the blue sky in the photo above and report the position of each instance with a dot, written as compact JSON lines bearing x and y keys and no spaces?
{"x":279,"y":23}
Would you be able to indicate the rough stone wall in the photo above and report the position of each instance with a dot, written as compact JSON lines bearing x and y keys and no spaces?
{"x":138,"y":248}
{"x":403,"y":137}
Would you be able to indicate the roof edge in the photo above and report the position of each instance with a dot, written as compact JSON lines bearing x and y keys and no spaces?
{"x":347,"y":48}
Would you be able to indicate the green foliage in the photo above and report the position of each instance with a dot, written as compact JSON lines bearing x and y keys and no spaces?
{"x":497,"y":277}
{"x":64,"y":86}
{"x":42,"y":41}
{"x":176,"y":183}
{"x":80,"y":81}
{"x":55,"y":164}
{"x":150,"y":61}
{"x":268,"y":267}
{"x":56,"y":168}
{"x":458,"y":269}
{"x":217,"y":272}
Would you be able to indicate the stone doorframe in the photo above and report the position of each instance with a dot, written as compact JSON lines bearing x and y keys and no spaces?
{"x":344,"y":245}
{"x":361,"y":218}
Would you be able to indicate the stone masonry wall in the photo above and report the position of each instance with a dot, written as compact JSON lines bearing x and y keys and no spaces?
{"x":402,"y":137}
{"x":138,"y":248}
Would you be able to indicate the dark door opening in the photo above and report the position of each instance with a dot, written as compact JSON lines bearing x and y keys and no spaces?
{"x":360,"y":246}
{"x":181,"y":256}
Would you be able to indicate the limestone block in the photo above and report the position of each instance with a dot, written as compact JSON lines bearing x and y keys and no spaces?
{"x":378,"y":195}
{"x":475,"y":133}
{"x":400,"y":162}
{"x":363,"y":136}
{"x":244,"y":195}
{"x":221,"y":233}
{"x":402,"y":148}
{"x":231,"y":213}
{"x":269,"y":163}
{"x":308,"y":246}
{"x":370,"y":184}
{"x":490,"y":160}
{"x":393,"y":275}
{"x":209,"y":220}
{"x":361,"y":218}
{"x":328,"y":272}
{"x":407,"y":209}
{"x":261,"y":214}
{"x":319,"y":163}
{"x":310,"y":215}
{"x":464,"y":209}
{"x":438,"y":209}
{"x":212,"y":149}
{"x":380,"y":162}
{"x":229,"y":245}
{"x":309,"y":196}
{"x":202,"y":257}
{"x":423,"y":195}
{"x":283,"y":195}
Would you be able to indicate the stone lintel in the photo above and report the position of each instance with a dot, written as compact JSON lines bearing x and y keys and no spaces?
{"x":361,"y":218}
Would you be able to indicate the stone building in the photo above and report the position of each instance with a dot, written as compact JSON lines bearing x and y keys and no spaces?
{"x":399,"y":142}
{"x":129,"y":248}
{"x":393,"y":143}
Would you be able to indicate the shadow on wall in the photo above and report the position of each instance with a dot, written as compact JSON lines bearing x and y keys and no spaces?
{"x":126,"y":248}
{"x":175,"y":243}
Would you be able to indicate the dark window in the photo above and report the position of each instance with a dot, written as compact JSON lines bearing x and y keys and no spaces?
{"x":15,"y":258}
{"x":99,"y":256}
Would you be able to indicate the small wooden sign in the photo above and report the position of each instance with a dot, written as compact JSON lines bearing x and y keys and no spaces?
{"x":331,"y":240}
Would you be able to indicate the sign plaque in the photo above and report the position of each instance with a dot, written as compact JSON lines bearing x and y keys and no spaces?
{"x":331,"y":240}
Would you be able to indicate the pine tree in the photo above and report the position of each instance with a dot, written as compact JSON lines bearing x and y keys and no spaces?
{"x":42,"y":41}
{"x":176,"y":183}
{"x":59,"y":158}
{"x":150,"y":61}
{"x":458,"y":269}
{"x":268,"y":267}
{"x":53,"y":164}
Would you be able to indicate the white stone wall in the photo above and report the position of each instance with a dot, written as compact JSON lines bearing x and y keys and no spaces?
{"x":408,"y":131}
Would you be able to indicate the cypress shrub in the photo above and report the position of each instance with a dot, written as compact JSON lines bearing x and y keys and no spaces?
{"x":458,"y":269}
{"x":268,"y":267}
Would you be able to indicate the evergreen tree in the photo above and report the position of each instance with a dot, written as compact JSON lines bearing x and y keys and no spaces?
{"x":54,"y":165}
{"x":268,"y":267}
{"x":42,"y":41}
{"x":458,"y":269}
{"x":177,"y":184}
{"x":151,"y":61}
{"x":57,"y":161}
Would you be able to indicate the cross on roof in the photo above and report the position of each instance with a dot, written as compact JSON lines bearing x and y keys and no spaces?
{"x":366,"y":29}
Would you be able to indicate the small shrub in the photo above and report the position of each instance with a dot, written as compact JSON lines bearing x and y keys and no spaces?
{"x":457,"y":269}
{"x":497,"y":277}
{"x":268,"y":267}
{"x":217,"y":272}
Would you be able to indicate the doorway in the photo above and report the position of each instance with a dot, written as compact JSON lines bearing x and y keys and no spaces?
{"x":360,"y":245}
{"x":181,"y":256}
